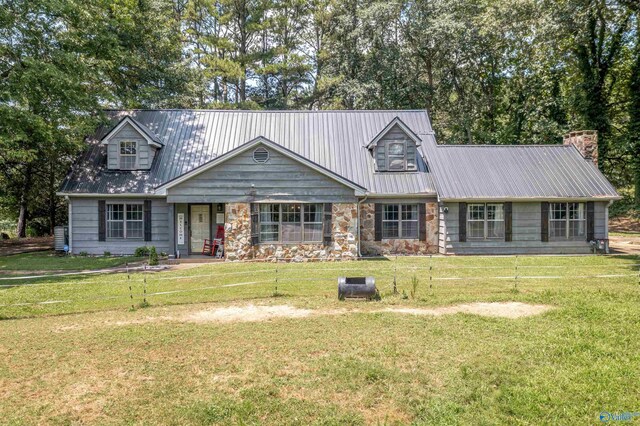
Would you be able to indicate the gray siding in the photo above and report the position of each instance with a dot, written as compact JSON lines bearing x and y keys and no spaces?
{"x":85,"y":228}
{"x":526,"y":234}
{"x":281,"y":179}
{"x":395,"y":134}
{"x":129,"y":133}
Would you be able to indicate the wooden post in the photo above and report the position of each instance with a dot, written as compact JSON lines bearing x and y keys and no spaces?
{"x":430,"y":271}
{"x":515,"y":283}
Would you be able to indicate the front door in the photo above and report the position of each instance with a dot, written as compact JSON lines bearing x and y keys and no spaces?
{"x":199,"y":227}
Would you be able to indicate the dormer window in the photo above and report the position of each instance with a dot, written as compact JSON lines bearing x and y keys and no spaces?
{"x":395,"y":148}
{"x":128,"y":155}
{"x":396,"y":156}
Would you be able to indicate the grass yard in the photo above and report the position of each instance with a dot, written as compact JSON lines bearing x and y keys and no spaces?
{"x":49,"y":261}
{"x":103,"y":362}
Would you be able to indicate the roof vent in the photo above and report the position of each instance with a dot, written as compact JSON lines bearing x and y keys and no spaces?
{"x":261,"y":155}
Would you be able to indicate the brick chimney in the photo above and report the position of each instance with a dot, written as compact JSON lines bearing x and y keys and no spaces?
{"x":587,"y":143}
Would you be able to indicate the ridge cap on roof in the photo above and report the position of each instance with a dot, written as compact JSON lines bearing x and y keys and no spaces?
{"x":270,"y":110}
{"x":503,"y":146}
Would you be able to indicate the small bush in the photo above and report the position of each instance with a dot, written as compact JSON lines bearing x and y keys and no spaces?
{"x":404,"y":294}
{"x":142,"y":251}
{"x":153,"y":256}
{"x":107,"y":253}
{"x":83,"y":254}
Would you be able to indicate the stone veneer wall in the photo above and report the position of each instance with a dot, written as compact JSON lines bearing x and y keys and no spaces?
{"x":370,"y":247}
{"x":238,"y":237}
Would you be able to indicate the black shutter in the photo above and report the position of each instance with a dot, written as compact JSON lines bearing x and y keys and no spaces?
{"x":102,"y":220}
{"x":462,"y":222}
{"x":378,"y":222}
{"x":327,"y":236}
{"x":255,"y":224}
{"x":422,"y":222}
{"x":591,"y":221}
{"x":147,"y":220}
{"x":508,"y":213}
{"x":544,"y":221}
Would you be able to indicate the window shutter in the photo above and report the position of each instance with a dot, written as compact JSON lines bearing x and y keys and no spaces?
{"x":378,"y":222}
{"x":591,"y":221}
{"x":462,"y":222}
{"x":147,"y":220}
{"x":422,"y":222}
{"x":102,"y":220}
{"x":544,"y":221}
{"x":255,"y":224}
{"x":508,"y":212}
{"x":327,"y":225}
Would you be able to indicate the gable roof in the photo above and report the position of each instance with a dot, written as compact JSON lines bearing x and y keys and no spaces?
{"x":333,"y":140}
{"x":395,"y":122}
{"x":513,"y":172}
{"x":261,"y":140}
{"x":151,"y":137}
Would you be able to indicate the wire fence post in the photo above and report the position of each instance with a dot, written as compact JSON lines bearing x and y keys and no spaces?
{"x":276,"y":292}
{"x":129,"y":281}
{"x":430,"y":271}
{"x":395,"y":268}
{"x":144,"y":285}
{"x":515,"y":283}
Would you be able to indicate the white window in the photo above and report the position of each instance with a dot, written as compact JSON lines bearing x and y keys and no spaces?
{"x":400,"y":221}
{"x":125,"y":221}
{"x":291,"y":223}
{"x":128,"y":155}
{"x":567,"y":221}
{"x":396,"y":156}
{"x":485,"y":221}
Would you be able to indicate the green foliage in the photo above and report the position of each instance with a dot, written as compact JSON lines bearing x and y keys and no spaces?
{"x":414,"y":287}
{"x":106,"y":253}
{"x":153,"y":256}
{"x":83,"y":254}
{"x":142,"y":251}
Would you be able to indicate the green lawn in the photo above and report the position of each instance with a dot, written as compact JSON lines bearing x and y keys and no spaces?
{"x":48,"y":261}
{"x":355,"y":365}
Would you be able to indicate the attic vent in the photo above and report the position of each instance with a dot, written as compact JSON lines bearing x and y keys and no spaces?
{"x":260,"y":155}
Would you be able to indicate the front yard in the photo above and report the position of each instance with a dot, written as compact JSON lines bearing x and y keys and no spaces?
{"x":182,"y":361}
{"x":52,"y":261}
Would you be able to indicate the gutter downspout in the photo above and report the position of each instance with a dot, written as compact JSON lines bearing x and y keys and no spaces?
{"x":366,"y":194}
{"x":70,"y":223}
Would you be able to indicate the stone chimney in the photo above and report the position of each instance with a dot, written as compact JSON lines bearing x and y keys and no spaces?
{"x":587,"y":143}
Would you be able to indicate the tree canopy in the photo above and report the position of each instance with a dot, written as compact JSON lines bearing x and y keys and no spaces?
{"x":489,"y":72}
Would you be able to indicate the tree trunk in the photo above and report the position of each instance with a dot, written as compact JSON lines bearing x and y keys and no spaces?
{"x":52,"y":199}
{"x":21,"y":229}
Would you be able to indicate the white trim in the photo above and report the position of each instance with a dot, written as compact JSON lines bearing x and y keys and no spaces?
{"x":415,"y":138}
{"x":100,"y":195}
{"x":526,"y":199}
{"x":359,"y":191}
{"x":129,"y":120}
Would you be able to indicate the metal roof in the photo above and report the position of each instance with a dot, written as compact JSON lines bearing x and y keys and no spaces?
{"x":335,"y":140}
{"x":514,"y":172}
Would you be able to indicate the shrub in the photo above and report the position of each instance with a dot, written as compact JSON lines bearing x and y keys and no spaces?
{"x":153,"y":256}
{"x":107,"y":253}
{"x":83,"y":254}
{"x":142,"y":251}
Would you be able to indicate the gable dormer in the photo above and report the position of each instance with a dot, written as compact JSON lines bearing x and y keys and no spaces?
{"x":395,"y":148}
{"x":130,"y":146}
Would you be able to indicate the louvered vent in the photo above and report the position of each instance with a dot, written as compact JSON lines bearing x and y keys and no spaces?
{"x":260,"y":155}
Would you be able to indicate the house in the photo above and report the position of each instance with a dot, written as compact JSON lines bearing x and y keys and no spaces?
{"x":327,"y":184}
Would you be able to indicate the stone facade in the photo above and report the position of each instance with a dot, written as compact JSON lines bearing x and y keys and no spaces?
{"x":370,"y":247}
{"x":238,"y":237}
{"x":587,"y":143}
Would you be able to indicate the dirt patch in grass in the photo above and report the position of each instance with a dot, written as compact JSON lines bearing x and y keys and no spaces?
{"x":494,"y":309}
{"x":255,"y":313}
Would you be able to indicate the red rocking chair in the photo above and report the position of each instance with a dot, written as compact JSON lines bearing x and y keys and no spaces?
{"x":215,"y":247}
